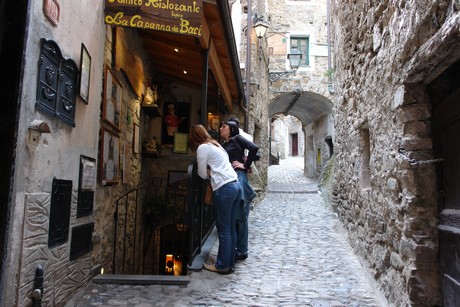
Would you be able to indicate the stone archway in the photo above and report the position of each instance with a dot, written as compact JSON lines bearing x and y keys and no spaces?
{"x":315,"y":113}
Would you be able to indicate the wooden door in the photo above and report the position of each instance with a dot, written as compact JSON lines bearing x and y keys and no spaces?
{"x":446,"y":124}
{"x":295,"y":144}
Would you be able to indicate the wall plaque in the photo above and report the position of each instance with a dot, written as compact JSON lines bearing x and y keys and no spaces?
{"x":52,"y":11}
{"x":86,"y":186}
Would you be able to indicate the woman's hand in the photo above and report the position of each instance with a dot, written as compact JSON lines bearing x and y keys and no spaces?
{"x":237,"y":164}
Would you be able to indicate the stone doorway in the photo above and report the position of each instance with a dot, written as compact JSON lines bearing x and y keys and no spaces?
{"x":445,"y":96}
{"x":12,"y":22}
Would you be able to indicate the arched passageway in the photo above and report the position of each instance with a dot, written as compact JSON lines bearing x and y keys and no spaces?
{"x":314,"y":112}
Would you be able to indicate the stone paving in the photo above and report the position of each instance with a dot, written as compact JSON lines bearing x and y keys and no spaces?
{"x":299,"y":256}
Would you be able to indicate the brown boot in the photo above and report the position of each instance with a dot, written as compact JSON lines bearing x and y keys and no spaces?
{"x":212,"y":268}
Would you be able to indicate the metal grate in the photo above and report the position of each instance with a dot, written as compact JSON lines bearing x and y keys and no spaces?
{"x":81,"y":241}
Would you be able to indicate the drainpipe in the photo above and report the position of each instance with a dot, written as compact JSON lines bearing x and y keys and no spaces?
{"x":330,"y":88}
{"x":248,"y":64}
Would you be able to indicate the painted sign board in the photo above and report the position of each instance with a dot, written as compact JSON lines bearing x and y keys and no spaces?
{"x":174,"y":16}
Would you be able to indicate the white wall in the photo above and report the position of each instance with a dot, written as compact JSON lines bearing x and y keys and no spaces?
{"x":56,"y":156}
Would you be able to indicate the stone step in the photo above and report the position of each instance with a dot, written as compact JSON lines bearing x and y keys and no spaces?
{"x":141,"y":279}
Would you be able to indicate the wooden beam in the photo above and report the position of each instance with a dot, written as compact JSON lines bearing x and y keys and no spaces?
{"x":216,"y":67}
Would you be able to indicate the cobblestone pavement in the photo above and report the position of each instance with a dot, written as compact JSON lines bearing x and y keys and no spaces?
{"x":299,"y":256}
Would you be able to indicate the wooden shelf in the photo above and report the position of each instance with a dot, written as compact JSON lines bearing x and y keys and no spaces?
{"x":151,"y":111}
{"x":150,"y":154}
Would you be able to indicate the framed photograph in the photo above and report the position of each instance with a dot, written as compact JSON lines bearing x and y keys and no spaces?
{"x":113,"y":95}
{"x":180,"y":142}
{"x":136,"y":136}
{"x":85,"y":73}
{"x":126,"y":163}
{"x":110,"y":157}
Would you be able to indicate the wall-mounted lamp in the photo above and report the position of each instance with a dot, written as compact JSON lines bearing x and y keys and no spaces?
{"x":294,"y":58}
{"x":260,"y":26}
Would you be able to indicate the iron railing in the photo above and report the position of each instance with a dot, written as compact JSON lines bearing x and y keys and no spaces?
{"x":199,"y":219}
{"x":128,"y":218}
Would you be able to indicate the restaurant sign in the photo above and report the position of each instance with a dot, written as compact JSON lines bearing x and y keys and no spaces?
{"x":174,"y":16}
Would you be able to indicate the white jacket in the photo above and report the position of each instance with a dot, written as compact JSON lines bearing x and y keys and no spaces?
{"x":217,"y":159}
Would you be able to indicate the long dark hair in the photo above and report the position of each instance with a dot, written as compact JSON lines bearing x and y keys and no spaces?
{"x":198,"y":135}
{"x":233,"y":128}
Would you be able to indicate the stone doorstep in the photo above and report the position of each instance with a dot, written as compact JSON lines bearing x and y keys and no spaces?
{"x":141,"y":279}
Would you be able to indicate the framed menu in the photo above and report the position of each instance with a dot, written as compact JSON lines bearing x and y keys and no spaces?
{"x":113,"y":95}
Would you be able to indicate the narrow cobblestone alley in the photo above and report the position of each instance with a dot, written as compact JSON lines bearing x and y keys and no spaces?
{"x":299,"y":256}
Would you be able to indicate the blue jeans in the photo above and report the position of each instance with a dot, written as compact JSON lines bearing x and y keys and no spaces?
{"x":242,"y":229}
{"x":226,"y":201}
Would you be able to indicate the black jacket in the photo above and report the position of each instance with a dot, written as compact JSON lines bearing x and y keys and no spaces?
{"x":235,"y":147}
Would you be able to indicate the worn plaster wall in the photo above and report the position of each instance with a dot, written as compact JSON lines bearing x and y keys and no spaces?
{"x":382,"y":118}
{"x":57,"y":155}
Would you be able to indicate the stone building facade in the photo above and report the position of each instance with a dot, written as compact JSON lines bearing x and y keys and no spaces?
{"x":305,"y":94}
{"x":395,"y":171}
{"x":42,"y":219}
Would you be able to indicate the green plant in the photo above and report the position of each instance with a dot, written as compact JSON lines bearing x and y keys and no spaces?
{"x":329,"y":73}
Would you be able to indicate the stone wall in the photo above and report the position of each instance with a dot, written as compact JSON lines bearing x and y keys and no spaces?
{"x":388,"y":205}
{"x":302,"y":18}
{"x":128,"y":41}
{"x":255,"y":109}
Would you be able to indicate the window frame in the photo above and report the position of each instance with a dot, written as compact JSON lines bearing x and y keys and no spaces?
{"x":305,"y":61}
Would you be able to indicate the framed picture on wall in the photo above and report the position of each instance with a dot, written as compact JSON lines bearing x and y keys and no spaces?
{"x":180,"y":142}
{"x":110,"y":157}
{"x":85,"y":72}
{"x":136,"y":139}
{"x":113,"y":95}
{"x":213,"y":122}
{"x":176,"y":118}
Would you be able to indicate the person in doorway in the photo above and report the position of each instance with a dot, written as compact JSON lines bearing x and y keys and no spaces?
{"x":235,"y":145}
{"x":213,"y":164}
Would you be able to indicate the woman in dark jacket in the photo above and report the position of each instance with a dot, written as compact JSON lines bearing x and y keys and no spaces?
{"x":234,"y":145}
